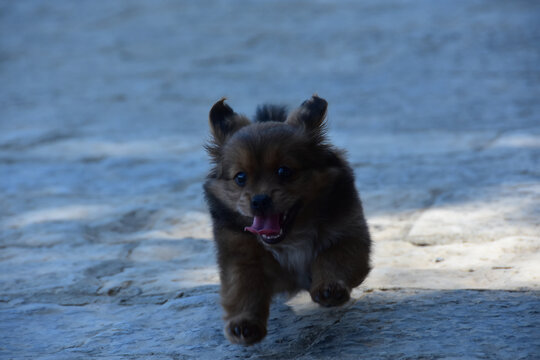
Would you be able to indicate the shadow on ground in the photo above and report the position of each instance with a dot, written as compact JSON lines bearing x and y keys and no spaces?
{"x":377,"y":324}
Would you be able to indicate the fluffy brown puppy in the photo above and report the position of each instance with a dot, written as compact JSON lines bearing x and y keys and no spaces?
{"x":286,"y":214}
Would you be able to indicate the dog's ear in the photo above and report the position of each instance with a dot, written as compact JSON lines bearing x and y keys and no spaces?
{"x":224,"y":121}
{"x":310,"y":115}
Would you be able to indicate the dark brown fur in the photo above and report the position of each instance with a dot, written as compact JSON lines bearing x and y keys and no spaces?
{"x":326,"y":245}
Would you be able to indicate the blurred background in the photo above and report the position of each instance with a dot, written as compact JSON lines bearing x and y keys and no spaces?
{"x":103,"y":114}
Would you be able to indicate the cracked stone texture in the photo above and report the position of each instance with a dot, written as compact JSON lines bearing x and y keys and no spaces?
{"x":105,"y":242}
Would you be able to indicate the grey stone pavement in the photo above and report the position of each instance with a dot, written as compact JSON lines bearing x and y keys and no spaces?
{"x":105,"y":242}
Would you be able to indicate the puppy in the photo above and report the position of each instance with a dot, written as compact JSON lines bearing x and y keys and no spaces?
{"x":286,"y":214}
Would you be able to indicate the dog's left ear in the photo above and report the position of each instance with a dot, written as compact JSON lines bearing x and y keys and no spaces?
{"x":224,"y":121}
{"x":310,"y":115}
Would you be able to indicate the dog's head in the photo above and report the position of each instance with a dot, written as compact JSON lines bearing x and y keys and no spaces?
{"x":270,"y":173}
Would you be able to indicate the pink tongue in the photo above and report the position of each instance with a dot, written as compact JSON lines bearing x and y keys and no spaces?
{"x":265,"y":225}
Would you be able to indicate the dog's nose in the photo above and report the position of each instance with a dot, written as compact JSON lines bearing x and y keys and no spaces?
{"x":261,"y":203}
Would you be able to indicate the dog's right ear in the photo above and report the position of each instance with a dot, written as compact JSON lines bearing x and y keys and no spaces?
{"x":224,"y":121}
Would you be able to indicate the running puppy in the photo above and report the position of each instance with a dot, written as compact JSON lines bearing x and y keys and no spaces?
{"x":286,"y":214}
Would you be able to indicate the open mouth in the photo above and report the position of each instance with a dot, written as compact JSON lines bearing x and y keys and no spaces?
{"x":272,"y":228}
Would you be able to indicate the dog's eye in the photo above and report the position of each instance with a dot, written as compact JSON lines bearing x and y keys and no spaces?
{"x":284,"y":172}
{"x":240,"y":178}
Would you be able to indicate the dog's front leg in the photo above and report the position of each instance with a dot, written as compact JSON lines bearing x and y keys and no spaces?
{"x":338,"y":269}
{"x":245,"y":296}
{"x":246,"y":302}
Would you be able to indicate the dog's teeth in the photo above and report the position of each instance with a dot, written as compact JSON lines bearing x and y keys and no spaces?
{"x":272,"y":237}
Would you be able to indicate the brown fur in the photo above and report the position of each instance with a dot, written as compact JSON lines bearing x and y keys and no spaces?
{"x":326,"y":244}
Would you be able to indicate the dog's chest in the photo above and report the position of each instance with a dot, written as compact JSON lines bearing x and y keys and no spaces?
{"x":297,"y":258}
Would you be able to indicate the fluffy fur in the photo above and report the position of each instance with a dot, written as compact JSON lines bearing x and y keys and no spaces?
{"x":286,"y":214}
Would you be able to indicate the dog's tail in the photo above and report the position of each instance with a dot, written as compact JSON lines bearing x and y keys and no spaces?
{"x":268,"y":112}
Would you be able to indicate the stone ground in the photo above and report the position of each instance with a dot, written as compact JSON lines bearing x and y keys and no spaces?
{"x":105,"y":242}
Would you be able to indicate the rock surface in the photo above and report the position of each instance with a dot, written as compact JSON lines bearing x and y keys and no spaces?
{"x":105,"y":242}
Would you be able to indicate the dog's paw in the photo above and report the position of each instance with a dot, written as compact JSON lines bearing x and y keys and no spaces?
{"x":245,"y":332}
{"x":330,"y":294}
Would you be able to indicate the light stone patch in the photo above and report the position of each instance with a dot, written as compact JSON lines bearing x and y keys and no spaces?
{"x":480,"y":215}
